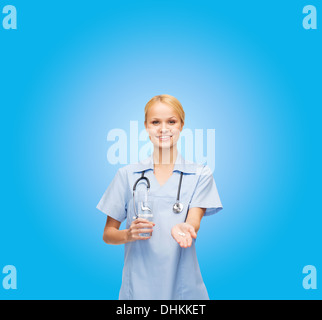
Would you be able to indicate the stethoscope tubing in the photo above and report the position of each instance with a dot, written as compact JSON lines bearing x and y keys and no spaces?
{"x":177,"y":207}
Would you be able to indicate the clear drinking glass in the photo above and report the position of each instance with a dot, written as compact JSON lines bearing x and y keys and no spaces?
{"x":145,"y":212}
{"x":144,"y":209}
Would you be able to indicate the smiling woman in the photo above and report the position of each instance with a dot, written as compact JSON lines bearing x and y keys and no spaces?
{"x":164,"y":120}
{"x":155,"y":266}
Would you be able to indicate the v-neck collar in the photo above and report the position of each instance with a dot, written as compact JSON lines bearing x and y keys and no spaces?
{"x":156,"y":180}
{"x":180,"y":164}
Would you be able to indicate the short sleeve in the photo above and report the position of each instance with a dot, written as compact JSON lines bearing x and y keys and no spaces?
{"x":114,"y":199}
{"x":206,"y":194}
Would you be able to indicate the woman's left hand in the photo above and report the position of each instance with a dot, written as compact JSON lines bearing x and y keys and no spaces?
{"x":183,"y":234}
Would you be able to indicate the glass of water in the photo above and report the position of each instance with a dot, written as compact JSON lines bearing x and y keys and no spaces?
{"x":145,"y":212}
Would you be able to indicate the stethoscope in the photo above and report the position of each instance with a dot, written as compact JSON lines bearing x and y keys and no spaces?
{"x":177,"y":207}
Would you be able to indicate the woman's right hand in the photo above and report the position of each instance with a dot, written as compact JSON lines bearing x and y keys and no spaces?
{"x":136,"y":227}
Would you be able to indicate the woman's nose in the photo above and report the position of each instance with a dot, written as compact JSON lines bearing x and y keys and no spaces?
{"x":164,"y":127}
{"x":164,"y":131}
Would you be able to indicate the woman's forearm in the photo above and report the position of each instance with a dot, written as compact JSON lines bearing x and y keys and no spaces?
{"x":195,"y":223}
{"x":114,"y":236}
{"x":194,"y":217}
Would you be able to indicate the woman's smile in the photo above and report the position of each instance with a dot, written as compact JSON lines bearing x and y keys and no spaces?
{"x":164,"y":137}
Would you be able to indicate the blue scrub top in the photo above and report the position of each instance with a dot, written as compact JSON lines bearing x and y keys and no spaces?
{"x":158,"y":268}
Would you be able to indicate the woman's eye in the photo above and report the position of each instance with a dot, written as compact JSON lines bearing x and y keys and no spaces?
{"x":155,"y":122}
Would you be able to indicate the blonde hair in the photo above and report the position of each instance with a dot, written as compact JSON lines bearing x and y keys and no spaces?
{"x":170,"y":101}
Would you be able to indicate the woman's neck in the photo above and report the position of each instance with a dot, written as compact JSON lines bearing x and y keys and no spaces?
{"x":164,"y":157}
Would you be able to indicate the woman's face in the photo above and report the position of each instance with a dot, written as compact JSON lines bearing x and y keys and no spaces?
{"x":163,"y":125}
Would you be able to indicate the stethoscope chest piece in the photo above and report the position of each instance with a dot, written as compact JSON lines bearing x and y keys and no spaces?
{"x":177,"y":207}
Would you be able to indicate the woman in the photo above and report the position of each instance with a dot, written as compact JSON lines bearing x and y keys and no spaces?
{"x":162,"y":265}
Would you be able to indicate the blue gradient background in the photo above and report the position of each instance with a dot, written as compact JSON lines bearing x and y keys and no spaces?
{"x":71,"y":72}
